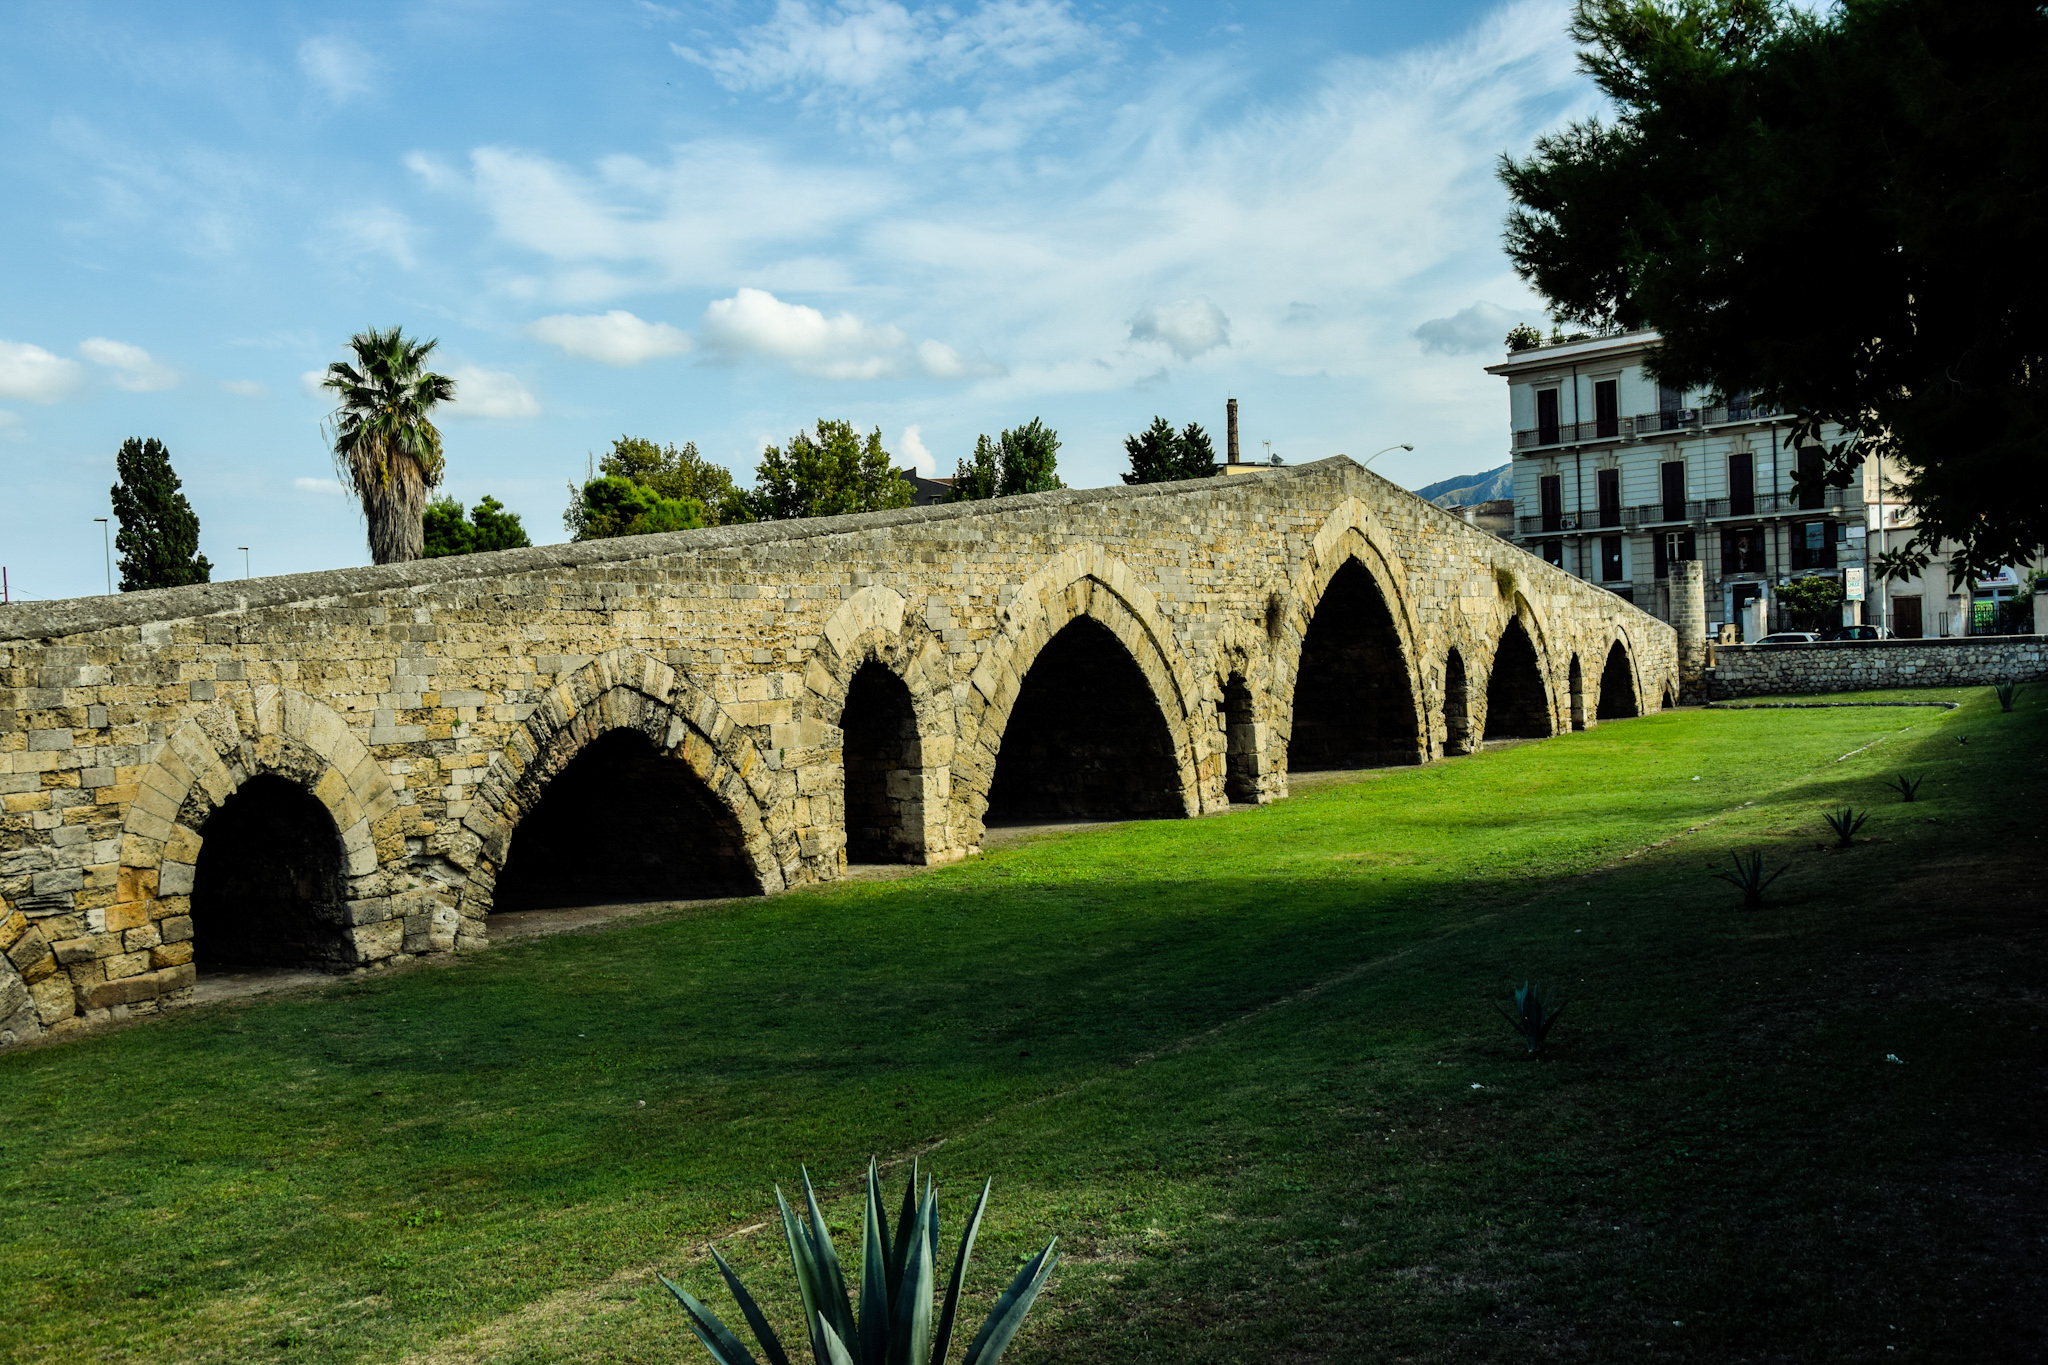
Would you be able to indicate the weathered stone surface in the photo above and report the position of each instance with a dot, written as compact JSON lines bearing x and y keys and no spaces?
{"x":1862,"y":665}
{"x":428,"y":709}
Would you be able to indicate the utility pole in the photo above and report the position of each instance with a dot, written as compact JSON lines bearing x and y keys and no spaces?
{"x":107,"y":544}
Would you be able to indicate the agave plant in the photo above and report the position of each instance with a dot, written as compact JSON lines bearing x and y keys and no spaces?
{"x":1532,"y":1015}
{"x":1749,"y":876}
{"x":895,"y":1322}
{"x":1906,"y":786}
{"x":1845,"y":823}
{"x":2008,"y":693}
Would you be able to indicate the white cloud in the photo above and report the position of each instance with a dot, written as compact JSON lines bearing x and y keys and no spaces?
{"x":870,"y":43}
{"x":374,"y":231}
{"x":1482,"y":327}
{"x":8,"y":420}
{"x":912,"y":445}
{"x":137,"y":371}
{"x":1188,"y":326}
{"x":614,"y":338}
{"x":324,"y":487}
{"x":243,"y":388}
{"x":32,"y":373}
{"x":338,"y":67}
{"x":310,"y":384}
{"x":755,"y":322}
{"x":491,"y":395}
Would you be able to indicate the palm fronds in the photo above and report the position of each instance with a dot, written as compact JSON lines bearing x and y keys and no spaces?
{"x":386,"y":447}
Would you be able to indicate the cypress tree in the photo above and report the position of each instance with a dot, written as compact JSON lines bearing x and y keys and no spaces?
{"x":159,"y":536}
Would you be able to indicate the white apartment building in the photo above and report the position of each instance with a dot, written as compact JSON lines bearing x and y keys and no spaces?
{"x":1618,"y":477}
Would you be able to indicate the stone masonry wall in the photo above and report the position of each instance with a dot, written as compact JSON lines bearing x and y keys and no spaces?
{"x":427,"y":706}
{"x":1860,"y":665}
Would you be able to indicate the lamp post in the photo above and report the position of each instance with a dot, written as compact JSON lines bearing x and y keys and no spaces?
{"x":245,"y":559}
{"x":107,"y":544}
{"x":1377,"y":453}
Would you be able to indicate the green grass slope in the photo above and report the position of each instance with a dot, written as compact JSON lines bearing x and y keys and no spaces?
{"x":1246,"y":1067}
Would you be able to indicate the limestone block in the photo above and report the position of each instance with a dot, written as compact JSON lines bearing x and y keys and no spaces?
{"x":176,"y":929}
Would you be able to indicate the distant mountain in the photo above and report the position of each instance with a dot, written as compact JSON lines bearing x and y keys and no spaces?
{"x":1471,"y":488}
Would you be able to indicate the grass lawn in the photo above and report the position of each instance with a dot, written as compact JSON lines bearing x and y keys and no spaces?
{"x":1246,"y":1067}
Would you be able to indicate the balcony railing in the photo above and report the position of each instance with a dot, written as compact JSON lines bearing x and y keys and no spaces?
{"x":1641,"y":425}
{"x":1646,"y":515}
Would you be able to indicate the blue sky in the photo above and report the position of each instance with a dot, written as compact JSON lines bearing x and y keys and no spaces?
{"x":717,"y":223}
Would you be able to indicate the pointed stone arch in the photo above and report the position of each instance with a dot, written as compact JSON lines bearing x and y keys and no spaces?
{"x":1619,"y":696}
{"x":874,"y":629}
{"x":623,"y":690}
{"x":1575,"y":691}
{"x":1083,"y":583}
{"x":1350,"y":535}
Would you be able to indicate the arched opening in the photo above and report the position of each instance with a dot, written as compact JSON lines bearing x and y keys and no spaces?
{"x":884,"y":770}
{"x":1241,"y":741}
{"x":1086,"y":737}
{"x":1668,"y":703}
{"x":1618,"y":687}
{"x":269,"y":888}
{"x":1457,"y":706}
{"x":1578,"y":694}
{"x":1517,"y":706}
{"x":1353,"y":707}
{"x":624,"y":822}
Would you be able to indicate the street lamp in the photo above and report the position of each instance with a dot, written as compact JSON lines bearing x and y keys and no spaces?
{"x":1377,"y":453}
{"x":107,"y":544}
{"x":245,"y":559}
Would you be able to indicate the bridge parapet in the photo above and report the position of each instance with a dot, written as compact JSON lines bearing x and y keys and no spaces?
{"x":736,"y":709}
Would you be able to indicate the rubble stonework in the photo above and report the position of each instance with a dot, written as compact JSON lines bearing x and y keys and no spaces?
{"x":427,"y":706}
{"x":1863,"y":665}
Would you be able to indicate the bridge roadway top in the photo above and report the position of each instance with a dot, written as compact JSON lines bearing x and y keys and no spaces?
{"x":737,"y":706}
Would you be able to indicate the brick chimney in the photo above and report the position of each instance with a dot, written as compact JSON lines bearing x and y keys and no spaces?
{"x":1230,"y":429}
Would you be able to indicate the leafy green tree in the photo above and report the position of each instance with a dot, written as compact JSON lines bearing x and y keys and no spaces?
{"x":1159,"y":454}
{"x":490,"y":527}
{"x":1022,"y":460}
{"x":386,"y":446}
{"x":1842,"y":215}
{"x":159,"y":535}
{"x":826,"y":473}
{"x":613,"y":505}
{"x":1811,"y":600}
{"x":668,"y":473}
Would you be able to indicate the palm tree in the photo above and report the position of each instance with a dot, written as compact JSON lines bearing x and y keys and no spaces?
{"x":384,"y":445}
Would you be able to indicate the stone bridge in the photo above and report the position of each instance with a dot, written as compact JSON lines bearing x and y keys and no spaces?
{"x":355,"y":767}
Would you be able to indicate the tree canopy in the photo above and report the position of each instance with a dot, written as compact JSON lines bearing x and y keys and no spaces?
{"x":1159,"y":454}
{"x":1022,"y":460}
{"x":1842,"y":216}
{"x":826,"y":473}
{"x":489,"y":527}
{"x":642,"y":487}
{"x":159,"y":535}
{"x":386,"y":446}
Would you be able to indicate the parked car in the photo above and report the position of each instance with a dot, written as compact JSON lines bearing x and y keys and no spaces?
{"x":1789,"y":637}
{"x":1856,"y":633}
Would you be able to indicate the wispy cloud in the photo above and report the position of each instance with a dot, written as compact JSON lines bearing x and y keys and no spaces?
{"x":753,"y":322}
{"x":614,"y":338}
{"x":492,"y":395}
{"x":1188,"y":327}
{"x":371,"y":231}
{"x":338,"y":68}
{"x":29,"y":372}
{"x":243,"y":388}
{"x":1481,"y":327}
{"x":325,"y":488}
{"x":135,"y":370}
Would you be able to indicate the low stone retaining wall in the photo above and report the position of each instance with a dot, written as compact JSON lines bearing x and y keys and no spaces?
{"x":1860,"y":665}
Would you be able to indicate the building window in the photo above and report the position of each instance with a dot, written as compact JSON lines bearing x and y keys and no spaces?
{"x":1811,"y":490}
{"x":1606,"y":409}
{"x":1673,"y":547}
{"x":1550,"y":491}
{"x":1546,"y":417}
{"x":1610,"y":559}
{"x":1674,"y":490}
{"x":1608,"y":482}
{"x":1742,"y":485}
{"x":1553,"y":553}
{"x":1670,"y":402}
{"x":1813,"y":545}
{"x":1742,"y":550}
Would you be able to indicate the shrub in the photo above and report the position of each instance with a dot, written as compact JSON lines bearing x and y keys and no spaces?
{"x":1845,"y":823}
{"x":1749,"y":877}
{"x":1532,"y":1015}
{"x":895,"y":1323}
